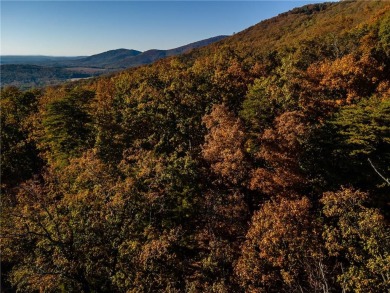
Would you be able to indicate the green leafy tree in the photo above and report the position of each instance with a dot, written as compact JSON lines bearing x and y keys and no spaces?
{"x":358,"y":236}
{"x":66,"y":123}
{"x":19,"y":155}
{"x":272,"y":95}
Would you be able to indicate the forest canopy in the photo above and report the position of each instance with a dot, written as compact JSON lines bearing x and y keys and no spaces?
{"x":256,"y":164}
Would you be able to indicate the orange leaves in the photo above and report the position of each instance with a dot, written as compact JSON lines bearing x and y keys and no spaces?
{"x":156,"y":194}
{"x":157,"y":249}
{"x":280,"y":149}
{"x":289,"y":130}
{"x":345,"y":79}
{"x":278,"y":246}
{"x":223,"y":146}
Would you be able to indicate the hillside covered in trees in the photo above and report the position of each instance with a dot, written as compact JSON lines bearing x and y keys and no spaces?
{"x":255,"y":164}
{"x":26,"y":72}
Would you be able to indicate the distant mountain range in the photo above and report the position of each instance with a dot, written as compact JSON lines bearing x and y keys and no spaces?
{"x":35,"y":59}
{"x":151,"y":56}
{"x":30,"y":71}
{"x":106,"y":60}
{"x":123,"y":58}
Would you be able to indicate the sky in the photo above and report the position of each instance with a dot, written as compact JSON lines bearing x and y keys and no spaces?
{"x":81,"y":28}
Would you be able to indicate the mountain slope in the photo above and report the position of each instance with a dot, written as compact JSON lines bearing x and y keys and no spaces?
{"x":107,"y":58}
{"x":151,"y":56}
{"x":331,"y":23}
{"x":255,"y":164}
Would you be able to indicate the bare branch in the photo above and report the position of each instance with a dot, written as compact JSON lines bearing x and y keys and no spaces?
{"x":383,"y":177}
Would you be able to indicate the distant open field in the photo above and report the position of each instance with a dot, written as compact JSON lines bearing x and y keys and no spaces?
{"x":86,"y":70}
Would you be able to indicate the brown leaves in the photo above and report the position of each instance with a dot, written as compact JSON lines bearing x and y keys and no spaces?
{"x":279,"y":246}
{"x":280,"y":150}
{"x":333,"y":83}
{"x":223,"y":146}
{"x":147,"y":198}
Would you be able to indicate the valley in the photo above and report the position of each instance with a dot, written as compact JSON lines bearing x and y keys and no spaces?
{"x":38,"y":71}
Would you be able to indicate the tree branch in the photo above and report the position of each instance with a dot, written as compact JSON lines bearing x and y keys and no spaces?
{"x":383,"y":177}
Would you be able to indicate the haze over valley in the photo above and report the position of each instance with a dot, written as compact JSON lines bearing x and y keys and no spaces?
{"x":33,"y":71}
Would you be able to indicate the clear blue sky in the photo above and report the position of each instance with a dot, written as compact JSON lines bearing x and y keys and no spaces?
{"x":74,"y":28}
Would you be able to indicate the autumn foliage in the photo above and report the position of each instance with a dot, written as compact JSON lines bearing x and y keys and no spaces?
{"x":256,"y":164}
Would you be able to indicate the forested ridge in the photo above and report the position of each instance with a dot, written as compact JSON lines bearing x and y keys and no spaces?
{"x":256,"y":164}
{"x":27,"y":72}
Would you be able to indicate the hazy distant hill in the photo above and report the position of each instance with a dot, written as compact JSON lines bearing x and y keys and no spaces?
{"x":151,"y":56}
{"x":106,"y":59}
{"x":45,"y":70}
{"x":36,"y":60}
